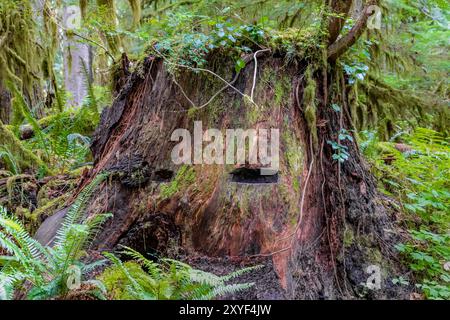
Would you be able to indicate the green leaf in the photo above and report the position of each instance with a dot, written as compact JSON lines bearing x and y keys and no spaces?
{"x":239,"y":65}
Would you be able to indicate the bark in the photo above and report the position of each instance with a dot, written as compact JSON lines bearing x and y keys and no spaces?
{"x":340,"y":46}
{"x":5,"y":105}
{"x":298,"y":226}
{"x":78,"y":65}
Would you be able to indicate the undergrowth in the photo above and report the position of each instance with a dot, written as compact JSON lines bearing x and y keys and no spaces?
{"x":168,"y":279}
{"x":42,"y":272}
{"x":416,"y":173}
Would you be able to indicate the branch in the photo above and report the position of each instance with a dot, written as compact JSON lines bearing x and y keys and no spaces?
{"x":340,"y":10}
{"x":340,"y":46}
{"x":255,"y":71}
{"x":95,"y":43}
{"x":170,"y":6}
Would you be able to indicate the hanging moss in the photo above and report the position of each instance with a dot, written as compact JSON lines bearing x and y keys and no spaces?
{"x":136,"y":10}
{"x":83,"y":7}
{"x":21,"y":53}
{"x":376,"y":105}
{"x":108,"y":8}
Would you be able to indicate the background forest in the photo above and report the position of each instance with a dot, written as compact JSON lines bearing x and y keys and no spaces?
{"x":63,"y":62}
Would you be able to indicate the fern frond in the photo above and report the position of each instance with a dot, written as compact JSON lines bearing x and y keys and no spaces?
{"x":90,"y":100}
{"x":94,"y":223}
{"x":7,"y":282}
{"x":100,"y":290}
{"x":14,"y":228}
{"x":221,"y":291}
{"x":240,"y":272}
{"x":152,"y":267}
{"x":134,"y":288}
{"x":76,"y":211}
{"x":87,"y":268}
{"x":9,"y":160}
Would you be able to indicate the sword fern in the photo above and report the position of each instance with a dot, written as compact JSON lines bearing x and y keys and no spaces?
{"x":47,"y":270}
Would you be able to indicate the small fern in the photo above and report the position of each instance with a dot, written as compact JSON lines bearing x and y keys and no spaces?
{"x":76,"y":211}
{"x":418,"y":179}
{"x":168,"y":279}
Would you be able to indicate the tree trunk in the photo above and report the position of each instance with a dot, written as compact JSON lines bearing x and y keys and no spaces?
{"x":316,"y":228}
{"x":78,"y":63}
{"x":5,"y":105}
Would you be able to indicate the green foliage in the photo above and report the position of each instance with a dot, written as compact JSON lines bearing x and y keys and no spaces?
{"x":341,"y":151}
{"x":341,"y":154}
{"x":21,"y":53}
{"x":167,"y":280}
{"x":185,"y":177}
{"x":64,"y":138}
{"x":420,"y":34}
{"x":191,"y":48}
{"x":418,"y":178}
{"x":9,"y":159}
{"x":401,"y":71}
{"x":46,"y":272}
{"x":61,"y":138}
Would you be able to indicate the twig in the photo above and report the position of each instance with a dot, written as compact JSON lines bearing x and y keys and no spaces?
{"x":255,"y":71}
{"x":227,"y":84}
{"x":94,"y":42}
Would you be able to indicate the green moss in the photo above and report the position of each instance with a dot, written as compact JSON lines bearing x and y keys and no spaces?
{"x":22,"y":212}
{"x":349,"y":237}
{"x":295,"y":42}
{"x":24,"y":157}
{"x":184,"y":178}
{"x":294,"y":153}
{"x":375,"y":256}
{"x":49,"y":207}
{"x":4,"y":174}
{"x":79,"y":171}
{"x":49,"y":188}
{"x":268,"y":77}
{"x":252,"y":111}
{"x":282,"y":89}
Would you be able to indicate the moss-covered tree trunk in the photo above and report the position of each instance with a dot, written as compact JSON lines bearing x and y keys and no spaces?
{"x":5,"y":104}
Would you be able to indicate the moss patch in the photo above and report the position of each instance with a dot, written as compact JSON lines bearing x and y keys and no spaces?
{"x":24,"y":157}
{"x":185,"y":177}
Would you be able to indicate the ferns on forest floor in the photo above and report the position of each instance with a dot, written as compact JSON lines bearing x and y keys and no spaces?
{"x":418,"y":178}
{"x":60,"y":139}
{"x":167,"y":280}
{"x":51,"y":271}
{"x":64,"y":139}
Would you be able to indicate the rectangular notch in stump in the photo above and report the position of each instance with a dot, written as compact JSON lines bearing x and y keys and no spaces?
{"x":254,"y":176}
